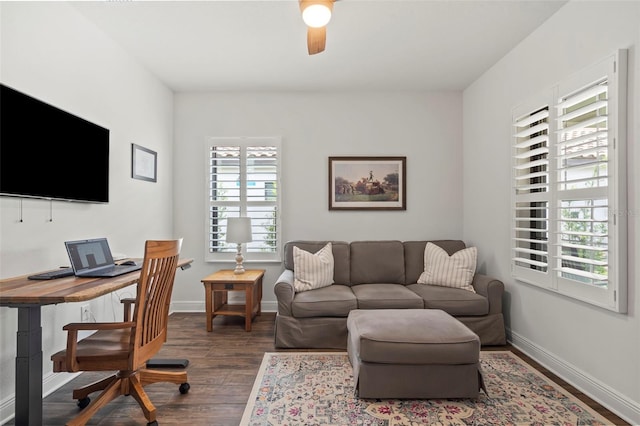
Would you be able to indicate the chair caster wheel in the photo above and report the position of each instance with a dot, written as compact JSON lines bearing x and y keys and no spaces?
{"x":84,"y":402}
{"x":184,"y":388}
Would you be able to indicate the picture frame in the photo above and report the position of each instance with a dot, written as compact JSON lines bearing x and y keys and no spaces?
{"x":367,"y":183}
{"x":144,"y":163}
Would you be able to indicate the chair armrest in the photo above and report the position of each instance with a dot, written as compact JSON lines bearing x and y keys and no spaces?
{"x":285,"y":292}
{"x":492,"y":289}
{"x":72,"y":337}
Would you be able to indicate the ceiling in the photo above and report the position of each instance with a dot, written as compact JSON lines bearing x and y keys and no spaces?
{"x":371,"y":44}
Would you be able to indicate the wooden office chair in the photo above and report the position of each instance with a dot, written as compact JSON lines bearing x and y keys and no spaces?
{"x":127,"y":346}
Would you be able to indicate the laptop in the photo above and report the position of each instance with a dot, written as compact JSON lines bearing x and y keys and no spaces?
{"x":92,"y":258}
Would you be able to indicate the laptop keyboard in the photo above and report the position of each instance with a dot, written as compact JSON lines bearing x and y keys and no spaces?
{"x":52,"y":275}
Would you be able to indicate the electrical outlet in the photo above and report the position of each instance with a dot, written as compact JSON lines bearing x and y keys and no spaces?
{"x":85,"y":315}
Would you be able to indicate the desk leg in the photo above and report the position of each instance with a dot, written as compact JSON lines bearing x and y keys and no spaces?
{"x":29,"y":367}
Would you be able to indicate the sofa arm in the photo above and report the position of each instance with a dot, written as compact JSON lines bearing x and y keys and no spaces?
{"x":285,"y":292}
{"x":490,"y":288}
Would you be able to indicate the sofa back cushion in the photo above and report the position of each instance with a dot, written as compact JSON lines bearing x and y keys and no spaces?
{"x":340,"y":251}
{"x":414,"y":256}
{"x":377,"y":262}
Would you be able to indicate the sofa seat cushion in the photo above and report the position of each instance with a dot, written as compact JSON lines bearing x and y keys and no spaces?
{"x":386,"y":296}
{"x":453,"y":301}
{"x":336,"y":300}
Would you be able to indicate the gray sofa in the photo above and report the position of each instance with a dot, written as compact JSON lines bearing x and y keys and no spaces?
{"x":378,"y":275}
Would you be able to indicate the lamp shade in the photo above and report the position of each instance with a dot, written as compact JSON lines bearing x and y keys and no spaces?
{"x":239,"y":230}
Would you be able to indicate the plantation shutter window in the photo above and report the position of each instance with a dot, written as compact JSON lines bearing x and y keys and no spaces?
{"x":530,"y":171}
{"x":243,"y":176}
{"x":582,"y":171}
{"x":569,"y":187}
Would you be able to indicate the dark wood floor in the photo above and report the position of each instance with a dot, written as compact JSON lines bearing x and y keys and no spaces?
{"x":222,"y":367}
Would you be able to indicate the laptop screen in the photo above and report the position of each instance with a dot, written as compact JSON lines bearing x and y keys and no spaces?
{"x":89,"y":254}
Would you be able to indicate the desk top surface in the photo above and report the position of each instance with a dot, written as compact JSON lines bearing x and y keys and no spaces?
{"x":21,"y":291}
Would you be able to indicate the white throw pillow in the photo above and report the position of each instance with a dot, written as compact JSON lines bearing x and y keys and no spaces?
{"x":312,"y":270}
{"x":455,"y":271}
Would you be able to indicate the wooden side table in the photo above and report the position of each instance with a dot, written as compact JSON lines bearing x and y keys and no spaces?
{"x":220,"y":283}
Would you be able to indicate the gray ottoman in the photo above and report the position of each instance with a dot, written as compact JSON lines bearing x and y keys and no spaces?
{"x":412,"y":353}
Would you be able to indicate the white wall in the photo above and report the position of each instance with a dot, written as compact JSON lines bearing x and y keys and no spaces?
{"x":50,"y":51}
{"x":424,"y":127}
{"x":595,"y":349}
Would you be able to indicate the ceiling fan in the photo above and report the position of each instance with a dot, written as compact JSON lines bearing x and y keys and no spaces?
{"x":316,"y":15}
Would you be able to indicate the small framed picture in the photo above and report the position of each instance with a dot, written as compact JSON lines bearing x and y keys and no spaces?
{"x":144,"y":163}
{"x":367,"y":183}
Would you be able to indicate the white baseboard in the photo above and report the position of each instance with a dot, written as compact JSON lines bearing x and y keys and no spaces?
{"x":7,"y":409}
{"x":603,"y":394}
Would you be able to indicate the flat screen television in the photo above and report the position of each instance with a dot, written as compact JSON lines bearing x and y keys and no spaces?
{"x":48,"y":153}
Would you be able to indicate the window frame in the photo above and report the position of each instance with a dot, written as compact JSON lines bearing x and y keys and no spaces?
{"x":228,"y":253}
{"x":613,"y":297}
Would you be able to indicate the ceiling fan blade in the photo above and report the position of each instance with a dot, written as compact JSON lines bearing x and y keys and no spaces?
{"x":316,"y":39}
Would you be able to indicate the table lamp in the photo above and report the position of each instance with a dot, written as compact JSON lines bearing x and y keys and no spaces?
{"x":238,"y":232}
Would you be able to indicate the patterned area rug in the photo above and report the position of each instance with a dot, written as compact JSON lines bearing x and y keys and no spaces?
{"x":311,"y":388}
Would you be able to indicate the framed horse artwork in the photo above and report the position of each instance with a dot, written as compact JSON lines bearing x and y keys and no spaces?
{"x":367,"y":183}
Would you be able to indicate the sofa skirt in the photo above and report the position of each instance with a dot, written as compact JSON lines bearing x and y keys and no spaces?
{"x":311,"y":333}
{"x":331,"y":332}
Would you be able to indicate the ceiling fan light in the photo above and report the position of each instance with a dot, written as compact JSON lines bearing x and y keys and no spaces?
{"x":316,"y":15}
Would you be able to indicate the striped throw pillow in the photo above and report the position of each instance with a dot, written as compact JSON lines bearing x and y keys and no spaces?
{"x":312,"y":270}
{"x":455,"y":271}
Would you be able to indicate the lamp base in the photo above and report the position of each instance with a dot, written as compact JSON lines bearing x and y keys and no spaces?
{"x":239,"y":268}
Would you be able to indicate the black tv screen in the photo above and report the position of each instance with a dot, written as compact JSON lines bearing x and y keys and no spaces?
{"x":46,"y":152}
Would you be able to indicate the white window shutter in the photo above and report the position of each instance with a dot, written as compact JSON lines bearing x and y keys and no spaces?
{"x":589,"y":157}
{"x":569,"y":230}
{"x":243,"y":176}
{"x":530,"y":193}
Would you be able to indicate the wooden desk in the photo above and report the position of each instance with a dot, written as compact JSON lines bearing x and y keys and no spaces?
{"x":29,"y":296}
{"x":218,"y":284}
